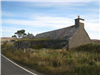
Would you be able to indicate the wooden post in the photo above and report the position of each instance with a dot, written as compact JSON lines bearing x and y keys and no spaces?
{"x":24,"y":50}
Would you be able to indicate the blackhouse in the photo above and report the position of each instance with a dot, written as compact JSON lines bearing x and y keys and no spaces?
{"x":75,"y":35}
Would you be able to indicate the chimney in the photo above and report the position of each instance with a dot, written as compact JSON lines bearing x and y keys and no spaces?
{"x":79,"y":22}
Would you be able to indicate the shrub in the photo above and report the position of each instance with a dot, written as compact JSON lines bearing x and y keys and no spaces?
{"x":90,"y":47}
{"x":12,"y":41}
{"x":2,"y":46}
{"x":92,"y":62}
{"x":5,"y":43}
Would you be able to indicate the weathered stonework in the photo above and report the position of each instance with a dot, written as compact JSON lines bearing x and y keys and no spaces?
{"x":79,"y":38}
{"x":68,"y":37}
{"x":75,"y":35}
{"x":47,"y":43}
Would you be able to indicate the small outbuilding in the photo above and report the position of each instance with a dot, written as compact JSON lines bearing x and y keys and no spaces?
{"x":75,"y":35}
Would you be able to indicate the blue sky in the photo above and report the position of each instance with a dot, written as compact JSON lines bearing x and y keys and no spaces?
{"x":42,"y":16}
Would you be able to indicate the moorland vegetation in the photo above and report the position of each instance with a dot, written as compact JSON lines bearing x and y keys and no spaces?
{"x":81,"y":60}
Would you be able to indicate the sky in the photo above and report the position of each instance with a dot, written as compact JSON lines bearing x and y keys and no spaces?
{"x":41,"y":16}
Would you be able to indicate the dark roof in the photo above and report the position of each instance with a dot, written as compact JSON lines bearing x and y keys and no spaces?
{"x":64,"y":33}
{"x":30,"y":36}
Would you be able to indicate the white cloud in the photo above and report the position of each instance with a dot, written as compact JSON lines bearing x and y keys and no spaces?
{"x":95,"y":9}
{"x":39,"y":21}
{"x":94,"y":36}
{"x":53,"y":4}
{"x":52,"y":22}
{"x":92,"y":26}
{"x":9,"y":29}
{"x":99,"y":32}
{"x":7,"y":14}
{"x":56,"y":22}
{"x":46,"y":0}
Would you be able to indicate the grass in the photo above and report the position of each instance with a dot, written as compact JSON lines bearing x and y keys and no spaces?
{"x":82,"y":60}
{"x":35,"y":39}
{"x":5,"y":39}
{"x":6,"y":45}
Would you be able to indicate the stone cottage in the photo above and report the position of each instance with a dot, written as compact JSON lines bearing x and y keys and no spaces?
{"x":75,"y":35}
{"x":30,"y":36}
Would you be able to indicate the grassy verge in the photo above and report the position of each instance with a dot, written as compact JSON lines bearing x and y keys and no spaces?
{"x":82,"y":60}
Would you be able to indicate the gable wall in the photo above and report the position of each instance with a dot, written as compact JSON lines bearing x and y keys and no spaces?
{"x":80,"y":37}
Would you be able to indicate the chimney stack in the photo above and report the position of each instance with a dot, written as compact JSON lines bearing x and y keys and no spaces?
{"x":79,"y":22}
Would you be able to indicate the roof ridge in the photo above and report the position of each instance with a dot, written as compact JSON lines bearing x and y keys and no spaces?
{"x":56,"y":29}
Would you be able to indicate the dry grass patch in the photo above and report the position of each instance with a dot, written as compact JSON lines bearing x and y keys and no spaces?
{"x":77,"y":61}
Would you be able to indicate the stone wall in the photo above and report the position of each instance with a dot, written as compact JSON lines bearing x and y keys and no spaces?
{"x":47,"y":43}
{"x":80,"y":37}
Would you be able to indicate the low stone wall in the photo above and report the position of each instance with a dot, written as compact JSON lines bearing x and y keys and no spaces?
{"x":47,"y":43}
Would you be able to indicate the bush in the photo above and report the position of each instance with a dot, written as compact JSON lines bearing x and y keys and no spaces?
{"x":92,"y":62}
{"x":12,"y":41}
{"x":2,"y":46}
{"x":90,"y":47}
{"x":5,"y":43}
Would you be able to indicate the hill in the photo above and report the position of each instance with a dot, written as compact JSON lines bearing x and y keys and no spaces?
{"x":6,"y":38}
{"x":96,"y":41}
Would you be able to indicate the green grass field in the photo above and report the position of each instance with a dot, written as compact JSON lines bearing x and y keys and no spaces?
{"x":82,"y":60}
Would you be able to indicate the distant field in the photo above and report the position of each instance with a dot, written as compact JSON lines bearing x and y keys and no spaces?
{"x":5,"y":39}
{"x":96,"y":41}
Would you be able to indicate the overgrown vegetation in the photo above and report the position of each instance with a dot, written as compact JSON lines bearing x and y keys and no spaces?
{"x":6,"y":44}
{"x":91,"y":47}
{"x":35,"y":39}
{"x":82,"y":60}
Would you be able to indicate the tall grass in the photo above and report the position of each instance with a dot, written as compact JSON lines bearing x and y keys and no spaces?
{"x":91,"y":47}
{"x":82,"y":60}
{"x":6,"y":45}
